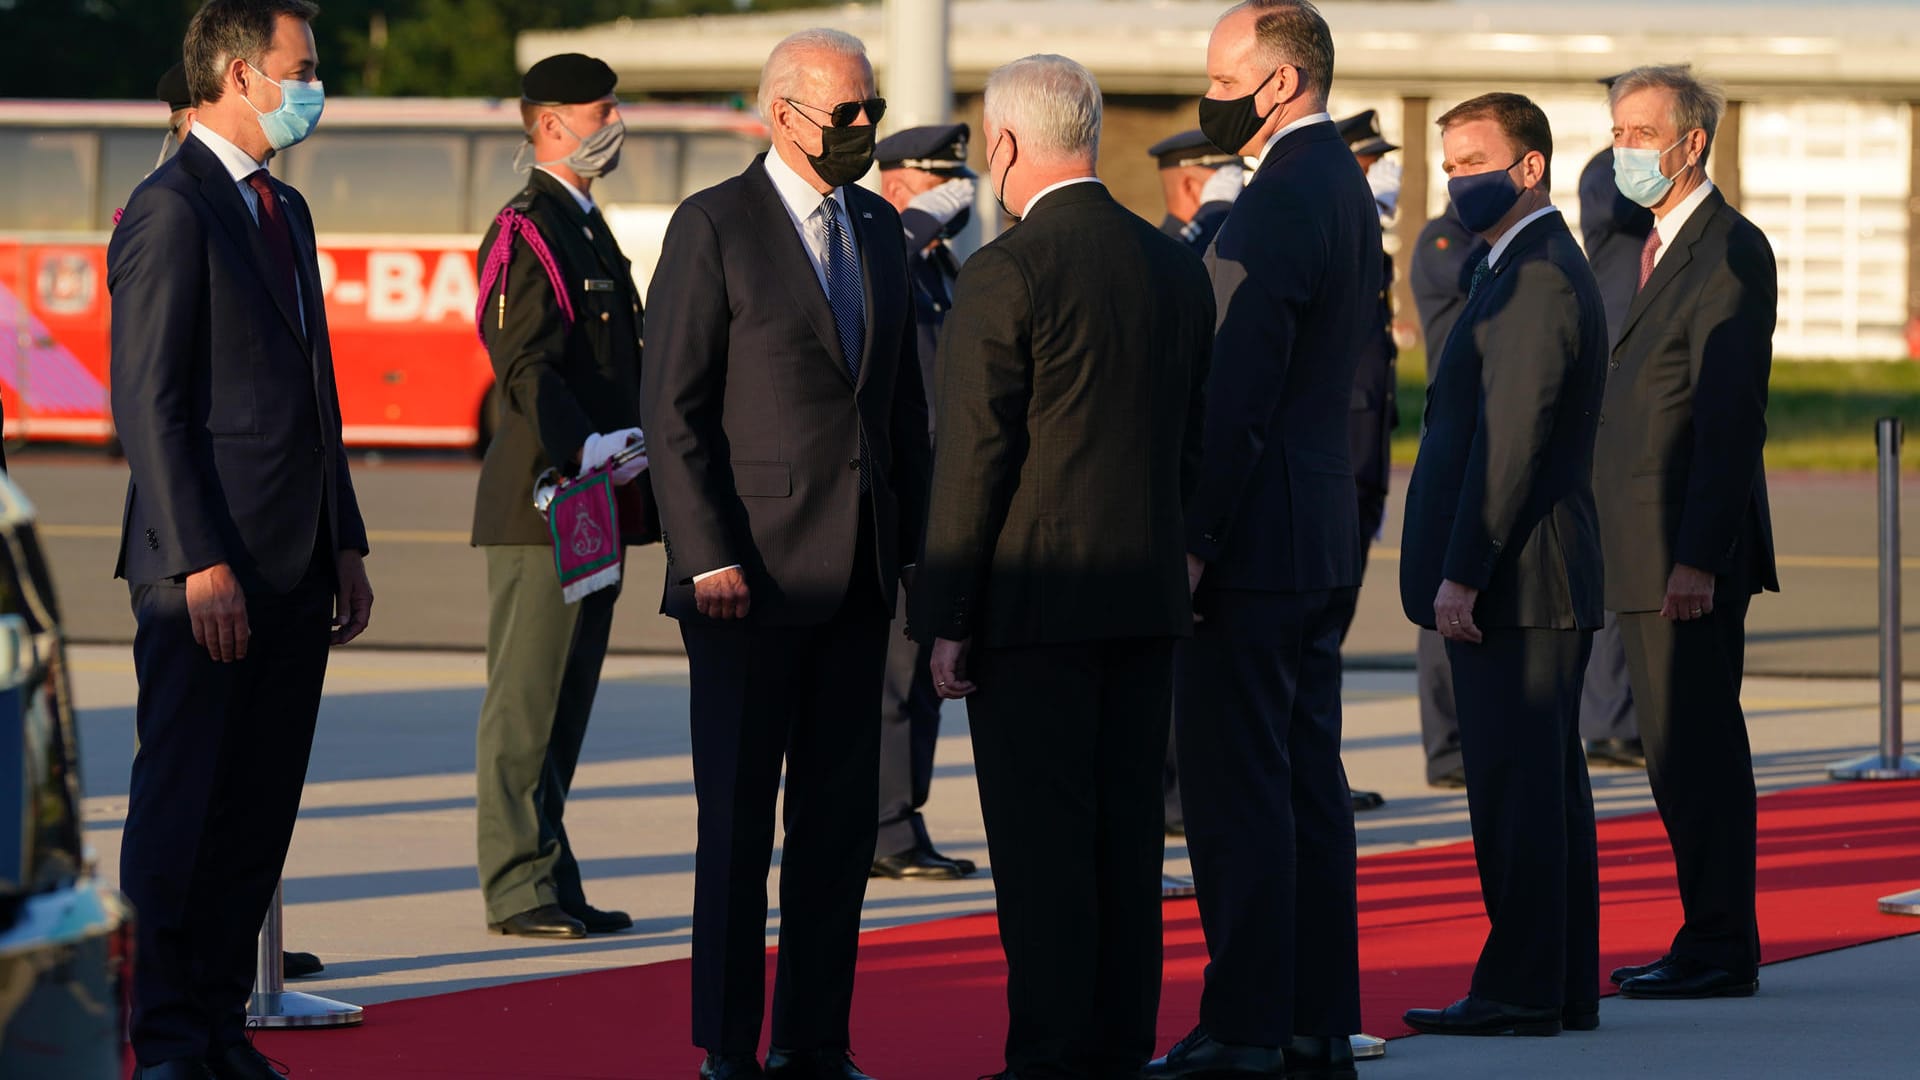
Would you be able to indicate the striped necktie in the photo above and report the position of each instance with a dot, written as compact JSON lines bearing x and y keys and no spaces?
{"x":1649,"y":254}
{"x":843,"y":296}
{"x":1481,"y":272}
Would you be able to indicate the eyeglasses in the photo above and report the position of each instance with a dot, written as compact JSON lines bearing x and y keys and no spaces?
{"x":845,"y":113}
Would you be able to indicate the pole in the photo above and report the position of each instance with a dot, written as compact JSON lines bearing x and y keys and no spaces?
{"x":1891,"y":762}
{"x":919,"y":87}
{"x":274,"y":1006}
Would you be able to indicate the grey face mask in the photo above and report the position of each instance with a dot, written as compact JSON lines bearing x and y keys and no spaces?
{"x":597,"y":155}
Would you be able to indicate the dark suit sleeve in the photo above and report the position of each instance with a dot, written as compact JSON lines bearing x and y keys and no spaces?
{"x":528,"y":347}
{"x":986,"y":383}
{"x":152,"y":272}
{"x":912,"y":450}
{"x":682,"y":389}
{"x":1526,"y":349}
{"x":1200,"y":359}
{"x":921,"y":229}
{"x":1731,"y":337}
{"x":1263,"y":278}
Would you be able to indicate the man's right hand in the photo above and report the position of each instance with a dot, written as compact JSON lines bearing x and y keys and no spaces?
{"x":723,"y":595}
{"x":218,"y":607}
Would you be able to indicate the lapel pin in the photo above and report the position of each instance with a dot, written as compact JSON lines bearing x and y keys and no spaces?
{"x":866,"y":215}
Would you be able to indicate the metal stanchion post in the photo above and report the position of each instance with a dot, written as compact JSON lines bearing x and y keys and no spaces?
{"x":274,"y":1006}
{"x":1891,"y":762}
{"x":1367,"y":1046}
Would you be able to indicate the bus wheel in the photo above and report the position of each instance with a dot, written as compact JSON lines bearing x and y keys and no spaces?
{"x":489,"y":420}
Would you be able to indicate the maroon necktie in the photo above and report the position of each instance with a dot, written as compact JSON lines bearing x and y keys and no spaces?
{"x":279,"y":238}
{"x":1647,"y":252}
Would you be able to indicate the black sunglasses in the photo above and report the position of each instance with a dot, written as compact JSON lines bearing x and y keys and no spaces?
{"x":845,"y":113}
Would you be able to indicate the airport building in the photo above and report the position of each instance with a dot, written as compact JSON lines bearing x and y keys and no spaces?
{"x":1821,"y":145}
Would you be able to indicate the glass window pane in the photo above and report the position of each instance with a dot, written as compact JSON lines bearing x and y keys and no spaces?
{"x":379,"y":181}
{"x":494,"y":181}
{"x":649,"y":172}
{"x":714,"y":157}
{"x":126,"y":157}
{"x":49,"y":179}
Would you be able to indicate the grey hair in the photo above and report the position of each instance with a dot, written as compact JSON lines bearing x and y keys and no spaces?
{"x":223,"y":31}
{"x":784,"y":76}
{"x":1052,"y":102}
{"x":1696,"y":104}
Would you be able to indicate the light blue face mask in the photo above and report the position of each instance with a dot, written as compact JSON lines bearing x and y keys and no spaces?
{"x":300,"y":106}
{"x":1636,"y":172}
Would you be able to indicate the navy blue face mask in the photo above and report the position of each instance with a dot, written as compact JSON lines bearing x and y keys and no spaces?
{"x":1482,"y":199}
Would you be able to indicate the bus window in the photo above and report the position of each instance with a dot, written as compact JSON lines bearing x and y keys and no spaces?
{"x":494,"y":181}
{"x":126,"y":156}
{"x":48,"y":178}
{"x":649,"y":172}
{"x":379,"y":182}
{"x":713,"y":157}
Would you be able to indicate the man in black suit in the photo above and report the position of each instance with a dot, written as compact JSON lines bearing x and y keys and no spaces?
{"x":1273,"y":546}
{"x":788,"y":433}
{"x":242,"y":542}
{"x":1683,"y":515}
{"x":1501,"y":555}
{"x":1054,"y":584}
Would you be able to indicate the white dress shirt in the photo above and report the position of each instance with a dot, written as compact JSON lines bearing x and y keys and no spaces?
{"x":1506,"y":238}
{"x":240,"y":165}
{"x":581,"y":197}
{"x":1253,"y":163}
{"x":1051,"y":188}
{"x":1669,"y":227}
{"x":803,"y":202}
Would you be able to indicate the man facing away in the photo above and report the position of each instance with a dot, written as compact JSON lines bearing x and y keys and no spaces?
{"x":1273,"y":546}
{"x":1684,"y":525}
{"x":788,"y":434}
{"x":243,"y":541}
{"x":1054,"y":584}
{"x":1501,"y":555}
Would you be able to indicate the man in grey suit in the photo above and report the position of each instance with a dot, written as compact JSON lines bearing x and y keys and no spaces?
{"x":1501,"y":555}
{"x":1683,"y":514}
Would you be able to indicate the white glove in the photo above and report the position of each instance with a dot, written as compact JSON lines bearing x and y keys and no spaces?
{"x":944,"y":202}
{"x":601,"y":449}
{"x":1384,"y":179}
{"x":1224,"y":185}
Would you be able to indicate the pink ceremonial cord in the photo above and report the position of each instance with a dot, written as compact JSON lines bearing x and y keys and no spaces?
{"x":500,"y":256}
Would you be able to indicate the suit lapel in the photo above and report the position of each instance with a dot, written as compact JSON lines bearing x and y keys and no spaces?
{"x":222,"y":193}
{"x":1673,"y":262}
{"x":864,"y":240}
{"x":306,"y":270}
{"x":790,"y":261}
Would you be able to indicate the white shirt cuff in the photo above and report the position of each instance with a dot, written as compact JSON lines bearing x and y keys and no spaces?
{"x":702,"y":577}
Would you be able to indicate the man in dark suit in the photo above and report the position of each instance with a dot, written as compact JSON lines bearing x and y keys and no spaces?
{"x":565,"y":345}
{"x":924,"y":174}
{"x":243,"y":542}
{"x":1683,"y":515}
{"x":1501,"y":555}
{"x":788,"y":431}
{"x":1273,"y":546}
{"x":1054,"y":583}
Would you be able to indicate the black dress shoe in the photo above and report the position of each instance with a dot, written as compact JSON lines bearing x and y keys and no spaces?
{"x":1201,"y":1055}
{"x":181,"y":1069}
{"x":1367,"y":800}
{"x":1479,"y":1016}
{"x":730,"y":1067}
{"x":546,"y":921}
{"x":1454,"y":779}
{"x":1634,"y":971}
{"x":300,"y":965}
{"x":1320,"y":1057}
{"x":1580,"y":1015}
{"x":811,"y":1065}
{"x":242,"y":1062}
{"x":921,"y":862}
{"x":1623,"y":753}
{"x":1686,"y":979}
{"x":600,"y":922}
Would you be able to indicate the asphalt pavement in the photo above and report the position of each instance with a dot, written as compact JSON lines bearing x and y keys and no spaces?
{"x":430,"y":586}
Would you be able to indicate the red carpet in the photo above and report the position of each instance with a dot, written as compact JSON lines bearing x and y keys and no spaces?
{"x":929,"y":1002}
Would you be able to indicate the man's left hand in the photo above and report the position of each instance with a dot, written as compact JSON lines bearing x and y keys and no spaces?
{"x":1689,"y":594}
{"x":949,"y":666}
{"x":353,"y":607}
{"x":1453,"y":612}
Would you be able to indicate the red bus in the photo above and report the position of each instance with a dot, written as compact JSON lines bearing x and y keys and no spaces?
{"x":401,"y":191}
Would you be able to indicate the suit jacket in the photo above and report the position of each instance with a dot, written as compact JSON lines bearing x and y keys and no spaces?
{"x":754,"y":426}
{"x":224,"y":403}
{"x":1501,"y":497}
{"x":1441,"y":273}
{"x":1677,"y":469}
{"x":1615,"y":229}
{"x":1373,"y":412}
{"x":557,"y":383}
{"x":1070,"y":396}
{"x":932,"y":269}
{"x":1296,"y":282}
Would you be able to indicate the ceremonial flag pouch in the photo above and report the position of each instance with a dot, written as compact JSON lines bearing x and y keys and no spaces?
{"x":585,"y":522}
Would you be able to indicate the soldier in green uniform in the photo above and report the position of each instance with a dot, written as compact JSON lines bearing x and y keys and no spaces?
{"x":562,"y":321}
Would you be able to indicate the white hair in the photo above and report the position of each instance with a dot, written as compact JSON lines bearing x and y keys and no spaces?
{"x":784,"y":75}
{"x":1051,"y":103}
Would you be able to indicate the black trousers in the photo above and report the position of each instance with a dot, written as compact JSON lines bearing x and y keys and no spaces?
{"x":1686,"y":684}
{"x":1532,"y":812}
{"x":808,"y":696}
{"x":909,"y":731}
{"x":1269,"y":815}
{"x":1067,"y":743}
{"x":215,"y":790}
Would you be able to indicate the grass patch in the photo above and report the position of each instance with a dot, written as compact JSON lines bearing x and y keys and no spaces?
{"x":1820,"y":413}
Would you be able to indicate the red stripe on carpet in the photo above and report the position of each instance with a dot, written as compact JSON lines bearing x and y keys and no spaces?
{"x":930,"y":998}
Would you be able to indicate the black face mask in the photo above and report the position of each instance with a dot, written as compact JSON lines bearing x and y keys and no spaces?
{"x":846,"y":153}
{"x":1232,"y":124}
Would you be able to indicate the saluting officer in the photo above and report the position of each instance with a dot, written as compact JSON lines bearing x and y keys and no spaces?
{"x":924,"y":174}
{"x":562,"y":322}
{"x":1199,"y":181}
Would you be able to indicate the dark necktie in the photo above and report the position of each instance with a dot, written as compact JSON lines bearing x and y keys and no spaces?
{"x":279,"y":238}
{"x":1648,"y":253}
{"x":1481,"y":272}
{"x":843,"y":296}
